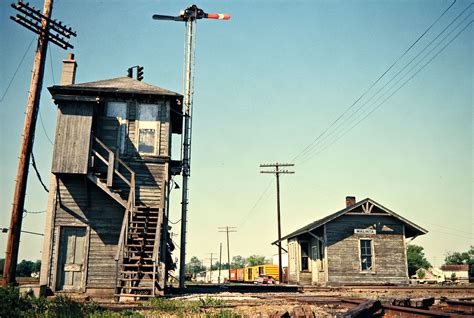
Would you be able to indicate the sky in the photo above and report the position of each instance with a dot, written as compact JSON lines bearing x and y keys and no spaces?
{"x":268,"y":82}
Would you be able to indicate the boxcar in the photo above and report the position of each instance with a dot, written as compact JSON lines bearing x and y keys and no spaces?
{"x":240,"y":274}
{"x":252,"y":272}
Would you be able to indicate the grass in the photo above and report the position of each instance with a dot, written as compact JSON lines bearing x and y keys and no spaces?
{"x":14,"y":305}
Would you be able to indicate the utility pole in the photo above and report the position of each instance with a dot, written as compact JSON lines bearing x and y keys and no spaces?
{"x":220,"y":262}
{"x":48,"y":31}
{"x":228,"y":229}
{"x":277,"y":173}
{"x":189,"y":16}
{"x":210,"y":267}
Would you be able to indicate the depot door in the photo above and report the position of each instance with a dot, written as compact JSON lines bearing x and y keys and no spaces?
{"x":71,"y":258}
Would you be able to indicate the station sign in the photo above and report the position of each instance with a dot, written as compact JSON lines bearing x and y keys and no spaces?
{"x":365,"y":231}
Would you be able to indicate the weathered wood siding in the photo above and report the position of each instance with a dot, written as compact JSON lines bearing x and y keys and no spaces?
{"x":150,"y":179}
{"x":73,"y":135}
{"x":293,"y":261}
{"x":81,"y":203}
{"x":343,"y":250}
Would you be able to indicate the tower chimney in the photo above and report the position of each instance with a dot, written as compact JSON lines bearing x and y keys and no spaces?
{"x":68,"y":74}
{"x":350,"y":201}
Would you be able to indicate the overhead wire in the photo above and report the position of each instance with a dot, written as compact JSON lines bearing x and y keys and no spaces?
{"x":38,"y":175}
{"x":310,"y":145}
{"x":254,"y":206}
{"x":345,"y":130}
{"x":54,"y":82}
{"x":393,"y":93}
{"x":16,"y":70}
{"x":350,"y":116}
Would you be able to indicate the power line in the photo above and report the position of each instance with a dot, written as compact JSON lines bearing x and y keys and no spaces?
{"x":44,"y":129}
{"x":34,"y":212}
{"x":17,"y":68}
{"x":345,"y":131}
{"x":393,"y":93}
{"x":33,"y":163}
{"x":310,"y":145}
{"x":256,"y":203}
{"x":349,"y":118}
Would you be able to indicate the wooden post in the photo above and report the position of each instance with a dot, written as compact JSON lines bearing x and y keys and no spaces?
{"x":220,"y":262}
{"x":11,"y":254}
{"x":277,"y":173}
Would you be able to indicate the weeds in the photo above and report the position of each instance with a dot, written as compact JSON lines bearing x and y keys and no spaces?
{"x":224,"y":313}
{"x":174,"y":306}
{"x":211,"y":302}
{"x":12,"y":304}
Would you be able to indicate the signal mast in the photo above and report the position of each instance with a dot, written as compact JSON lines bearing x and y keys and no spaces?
{"x":189,"y":16}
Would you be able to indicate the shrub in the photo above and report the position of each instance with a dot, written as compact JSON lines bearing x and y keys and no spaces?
{"x":12,"y":304}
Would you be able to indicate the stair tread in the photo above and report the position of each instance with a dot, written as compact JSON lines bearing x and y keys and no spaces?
{"x":137,"y":287}
{"x":136,"y":279}
{"x":133,"y":295}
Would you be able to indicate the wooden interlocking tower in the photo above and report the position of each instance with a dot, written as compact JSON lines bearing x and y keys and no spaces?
{"x":107,"y":229}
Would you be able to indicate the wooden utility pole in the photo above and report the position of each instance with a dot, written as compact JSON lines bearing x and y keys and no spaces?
{"x":210,"y":267}
{"x":228,"y":229}
{"x":41,"y":24}
{"x":220,"y":262}
{"x":277,"y":173}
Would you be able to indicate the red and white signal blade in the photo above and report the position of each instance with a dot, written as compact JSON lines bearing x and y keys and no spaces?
{"x":219,"y":16}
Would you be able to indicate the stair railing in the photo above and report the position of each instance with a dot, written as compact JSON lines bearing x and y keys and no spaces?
{"x":113,"y":164}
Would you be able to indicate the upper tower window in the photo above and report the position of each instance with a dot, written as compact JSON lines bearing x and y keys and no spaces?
{"x":113,"y":128}
{"x":148,"y":129}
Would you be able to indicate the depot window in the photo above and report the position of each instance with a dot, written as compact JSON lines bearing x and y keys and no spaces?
{"x":366,"y":255}
{"x":304,"y":256}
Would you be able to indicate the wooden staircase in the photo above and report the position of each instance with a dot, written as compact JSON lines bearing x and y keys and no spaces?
{"x":138,"y":272}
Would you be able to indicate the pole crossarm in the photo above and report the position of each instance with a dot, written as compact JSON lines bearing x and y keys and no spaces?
{"x":32,"y":19}
{"x":278,"y":171}
{"x":276,"y":164}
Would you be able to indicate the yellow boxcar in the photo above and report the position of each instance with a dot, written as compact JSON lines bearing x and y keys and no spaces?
{"x":252,"y":272}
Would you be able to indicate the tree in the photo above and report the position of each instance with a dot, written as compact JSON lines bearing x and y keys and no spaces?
{"x":421,"y":273}
{"x":194,"y":266}
{"x":237,"y":262}
{"x":2,"y":263}
{"x":416,"y":259}
{"x":464,"y":258}
{"x":25,"y":268}
{"x":256,"y":260}
{"x":215,"y":266}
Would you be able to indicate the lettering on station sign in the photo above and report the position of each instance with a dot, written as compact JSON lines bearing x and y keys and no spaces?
{"x":365,"y":231}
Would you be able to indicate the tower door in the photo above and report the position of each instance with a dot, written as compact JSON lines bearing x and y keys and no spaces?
{"x":71,"y":258}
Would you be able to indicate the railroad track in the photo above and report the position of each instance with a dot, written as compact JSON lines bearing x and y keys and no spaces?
{"x":466,"y":289}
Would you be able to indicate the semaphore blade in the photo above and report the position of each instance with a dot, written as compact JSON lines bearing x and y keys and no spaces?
{"x":166,"y":17}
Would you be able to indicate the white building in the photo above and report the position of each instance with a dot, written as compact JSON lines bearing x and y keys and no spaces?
{"x":212,"y":277}
{"x":284,"y":259}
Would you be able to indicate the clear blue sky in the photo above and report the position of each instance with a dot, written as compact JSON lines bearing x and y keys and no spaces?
{"x":268,"y":82}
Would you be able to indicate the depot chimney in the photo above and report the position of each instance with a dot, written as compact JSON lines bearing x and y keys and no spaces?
{"x":68,"y":74}
{"x":350,"y":201}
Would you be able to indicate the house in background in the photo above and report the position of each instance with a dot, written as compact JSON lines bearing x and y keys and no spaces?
{"x":364,"y":243}
{"x":457,"y":273}
{"x":106,"y":228}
